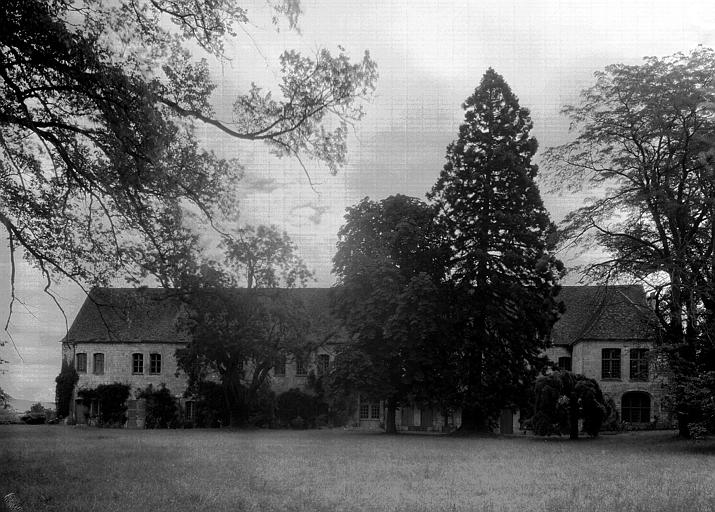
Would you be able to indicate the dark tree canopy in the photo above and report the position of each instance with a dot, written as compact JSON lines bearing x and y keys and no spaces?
{"x":562,"y":398}
{"x":390,"y":265}
{"x":238,"y":334}
{"x":499,"y":231}
{"x":643,"y":147}
{"x":98,"y":106}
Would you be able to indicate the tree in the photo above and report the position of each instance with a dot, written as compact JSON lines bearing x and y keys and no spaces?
{"x":37,"y":407}
{"x":65,"y":383}
{"x":99,"y":101}
{"x":390,"y":265}
{"x":239,"y":335}
{"x":499,"y":232}
{"x":4,"y":399}
{"x":562,"y":398}
{"x":643,"y":146}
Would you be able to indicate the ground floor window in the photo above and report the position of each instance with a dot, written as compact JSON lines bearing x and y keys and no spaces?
{"x":635,"y":407}
{"x":369,"y":410}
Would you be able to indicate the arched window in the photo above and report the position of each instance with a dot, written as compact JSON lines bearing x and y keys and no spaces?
{"x":635,"y":407}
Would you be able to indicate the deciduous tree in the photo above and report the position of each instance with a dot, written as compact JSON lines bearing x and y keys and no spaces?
{"x":99,"y":101}
{"x":643,"y":149}
{"x":390,"y":265}
{"x":238,"y":335}
{"x":498,"y":229}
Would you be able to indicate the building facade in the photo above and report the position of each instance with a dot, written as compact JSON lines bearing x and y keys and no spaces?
{"x":131,"y":336}
{"x":608,"y":334}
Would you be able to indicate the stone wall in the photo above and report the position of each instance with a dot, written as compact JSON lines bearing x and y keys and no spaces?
{"x":118,"y":365}
{"x":587,"y":360}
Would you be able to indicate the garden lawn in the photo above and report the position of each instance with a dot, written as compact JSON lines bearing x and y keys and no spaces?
{"x":77,"y":469}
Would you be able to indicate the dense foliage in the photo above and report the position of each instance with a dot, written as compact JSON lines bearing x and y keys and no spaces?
{"x":65,"y":383}
{"x":297,"y":409}
{"x":491,"y":213}
{"x":162,"y":409}
{"x":643,"y":146}
{"x":390,"y":265}
{"x":562,"y":399}
{"x":111,"y":400}
{"x":99,"y":100}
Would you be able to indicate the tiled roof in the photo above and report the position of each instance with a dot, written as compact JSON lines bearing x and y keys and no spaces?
{"x":603,"y":313}
{"x":151,"y":314}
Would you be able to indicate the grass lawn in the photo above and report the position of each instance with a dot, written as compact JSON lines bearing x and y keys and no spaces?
{"x":76,"y":469}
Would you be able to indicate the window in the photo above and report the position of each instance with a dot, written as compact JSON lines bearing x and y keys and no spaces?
{"x":635,"y":407}
{"x":189,"y":410}
{"x":639,"y":363}
{"x":323,"y":364}
{"x":565,"y":363}
{"x":81,"y":363}
{"x":375,"y":411}
{"x":300,"y":368}
{"x":98,"y":364}
{"x":137,"y":363}
{"x":154,"y":363}
{"x":611,"y":363}
{"x":369,"y":410}
{"x":279,"y":368}
{"x":364,"y":411}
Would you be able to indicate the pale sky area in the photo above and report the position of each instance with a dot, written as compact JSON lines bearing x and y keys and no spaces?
{"x":431,"y":56}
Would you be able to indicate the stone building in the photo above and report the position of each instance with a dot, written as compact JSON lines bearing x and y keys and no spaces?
{"x":131,"y":335}
{"x":607,"y":334}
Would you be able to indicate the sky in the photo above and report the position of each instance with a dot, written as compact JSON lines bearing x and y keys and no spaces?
{"x":430,"y":56}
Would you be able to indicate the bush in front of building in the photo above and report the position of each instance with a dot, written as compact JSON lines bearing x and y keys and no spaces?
{"x":562,"y":399}
{"x":210,"y":405}
{"x":65,"y":383}
{"x":110,"y":401}
{"x":162,"y":409}
{"x":297,"y":409}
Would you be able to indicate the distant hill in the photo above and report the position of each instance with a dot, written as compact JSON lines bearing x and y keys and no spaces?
{"x":22,"y":406}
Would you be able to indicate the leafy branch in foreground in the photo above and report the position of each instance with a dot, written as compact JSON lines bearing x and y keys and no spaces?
{"x":98,"y":106}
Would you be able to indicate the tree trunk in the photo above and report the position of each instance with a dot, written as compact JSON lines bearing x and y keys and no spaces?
{"x":573,"y":416}
{"x":390,"y":427}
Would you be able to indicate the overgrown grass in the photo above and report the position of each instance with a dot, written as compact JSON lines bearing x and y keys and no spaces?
{"x":76,"y":469}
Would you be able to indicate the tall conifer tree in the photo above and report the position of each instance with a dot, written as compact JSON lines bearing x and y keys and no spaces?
{"x":498,"y":228}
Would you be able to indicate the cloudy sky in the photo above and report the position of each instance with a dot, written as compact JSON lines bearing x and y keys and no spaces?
{"x":431,"y":56}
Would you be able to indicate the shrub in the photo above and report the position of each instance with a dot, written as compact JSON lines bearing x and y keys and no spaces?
{"x":297,"y":409}
{"x":112,"y":401}
{"x":66,"y":381}
{"x":162,"y":411}
{"x":211,"y":408}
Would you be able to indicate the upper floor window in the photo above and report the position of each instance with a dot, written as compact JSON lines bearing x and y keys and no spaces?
{"x":154,"y":363}
{"x":81,"y":363}
{"x":611,"y":363}
{"x":98,"y":364}
{"x":137,"y":363}
{"x":323,"y":364}
{"x":639,"y":363}
{"x":279,"y":368}
{"x":300,"y":366}
{"x":565,"y":363}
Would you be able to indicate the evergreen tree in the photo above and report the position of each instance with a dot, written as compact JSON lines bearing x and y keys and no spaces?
{"x":492,"y":213}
